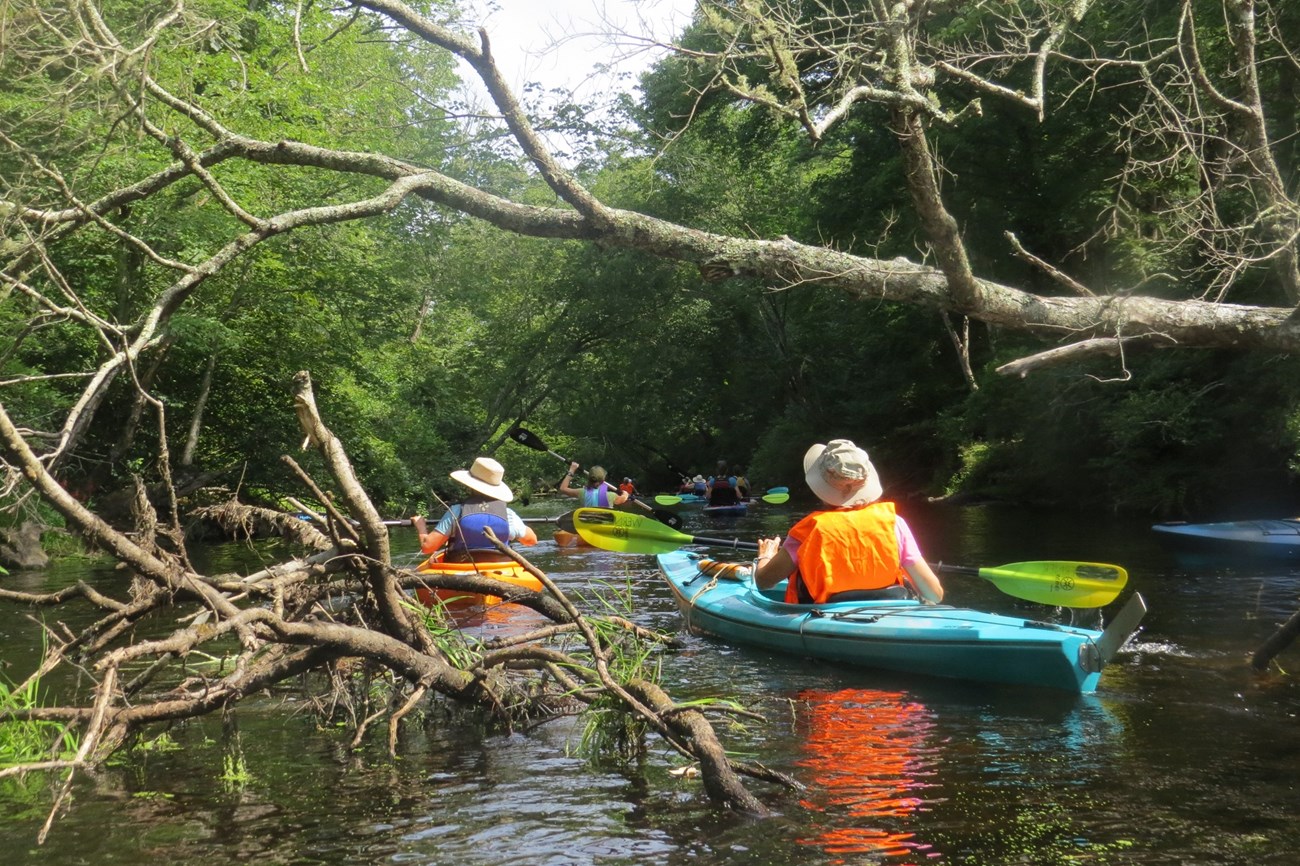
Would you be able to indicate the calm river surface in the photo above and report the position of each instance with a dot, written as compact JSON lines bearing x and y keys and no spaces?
{"x":1183,"y":756}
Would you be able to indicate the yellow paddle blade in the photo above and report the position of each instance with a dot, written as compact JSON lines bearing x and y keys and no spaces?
{"x":623,"y":532}
{"x":1066,"y":584}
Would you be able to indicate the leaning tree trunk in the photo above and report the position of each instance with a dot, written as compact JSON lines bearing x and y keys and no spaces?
{"x":196,"y":420}
{"x":1280,"y":640}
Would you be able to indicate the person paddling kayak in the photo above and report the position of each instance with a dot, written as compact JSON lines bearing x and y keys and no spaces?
{"x":858,"y":544}
{"x":461,"y":528}
{"x":596,"y":493}
{"x":721,"y":489}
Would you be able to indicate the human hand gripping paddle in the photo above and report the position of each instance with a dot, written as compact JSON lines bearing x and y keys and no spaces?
{"x":1054,"y":582}
{"x":533,"y":441}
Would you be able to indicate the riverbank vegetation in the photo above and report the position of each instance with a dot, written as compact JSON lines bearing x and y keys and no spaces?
{"x":263,"y":212}
{"x":1044,"y":252}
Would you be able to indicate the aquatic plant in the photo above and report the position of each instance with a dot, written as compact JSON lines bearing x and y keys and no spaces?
{"x":25,"y":740}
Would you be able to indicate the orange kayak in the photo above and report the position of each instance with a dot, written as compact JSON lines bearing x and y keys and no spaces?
{"x":505,"y":570}
{"x":569,"y":539}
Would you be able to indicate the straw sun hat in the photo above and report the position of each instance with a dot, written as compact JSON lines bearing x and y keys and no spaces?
{"x":840,"y":473}
{"x":485,"y":476}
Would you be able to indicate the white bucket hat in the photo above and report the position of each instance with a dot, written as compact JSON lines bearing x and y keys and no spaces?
{"x":485,"y":476}
{"x":840,"y":473}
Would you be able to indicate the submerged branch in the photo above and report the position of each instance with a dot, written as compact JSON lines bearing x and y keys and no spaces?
{"x":315,"y":616}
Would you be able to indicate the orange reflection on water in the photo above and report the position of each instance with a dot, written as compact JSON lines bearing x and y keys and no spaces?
{"x":867,"y":750}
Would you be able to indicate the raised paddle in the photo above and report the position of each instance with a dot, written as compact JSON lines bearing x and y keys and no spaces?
{"x":1064,"y":584}
{"x":531,"y":440}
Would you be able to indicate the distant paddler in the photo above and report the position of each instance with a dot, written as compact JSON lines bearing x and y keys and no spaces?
{"x":597,"y":492}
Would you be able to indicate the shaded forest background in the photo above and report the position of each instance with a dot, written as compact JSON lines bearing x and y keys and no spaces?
{"x":428,"y":334}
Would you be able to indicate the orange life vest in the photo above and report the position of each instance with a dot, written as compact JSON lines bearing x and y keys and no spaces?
{"x":851,"y":549}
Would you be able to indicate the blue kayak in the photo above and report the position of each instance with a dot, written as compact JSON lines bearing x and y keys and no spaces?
{"x":899,"y":635}
{"x":735,"y":509}
{"x":1265,"y":539}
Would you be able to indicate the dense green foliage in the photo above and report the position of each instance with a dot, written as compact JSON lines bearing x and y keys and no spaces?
{"x":1168,"y":434}
{"x":427,"y":333}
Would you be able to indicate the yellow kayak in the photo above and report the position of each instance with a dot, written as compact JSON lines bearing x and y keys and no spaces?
{"x":508,"y":571}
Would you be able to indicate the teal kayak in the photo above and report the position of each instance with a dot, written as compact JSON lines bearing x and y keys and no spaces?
{"x":899,"y":635}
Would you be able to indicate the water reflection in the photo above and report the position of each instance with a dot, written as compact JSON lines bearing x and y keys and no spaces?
{"x":1185,"y":755}
{"x":494,"y":621}
{"x":871,"y":759}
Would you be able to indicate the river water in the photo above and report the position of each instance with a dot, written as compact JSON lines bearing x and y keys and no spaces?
{"x":1182,"y":756}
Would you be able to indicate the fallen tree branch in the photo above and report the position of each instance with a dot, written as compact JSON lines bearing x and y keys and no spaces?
{"x":1111,"y":347}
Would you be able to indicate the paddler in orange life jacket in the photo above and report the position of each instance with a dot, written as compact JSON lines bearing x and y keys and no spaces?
{"x":461,"y":528}
{"x":596,"y":493}
{"x":856,"y":546}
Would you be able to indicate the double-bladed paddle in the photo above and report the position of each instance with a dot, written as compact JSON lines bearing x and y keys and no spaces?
{"x":771,"y":498}
{"x":531,"y":440}
{"x":564,"y":521}
{"x":316,"y":518}
{"x":1058,"y":583}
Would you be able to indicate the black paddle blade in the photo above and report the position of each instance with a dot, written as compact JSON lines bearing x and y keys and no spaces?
{"x":526,"y":438}
{"x":668,"y":518}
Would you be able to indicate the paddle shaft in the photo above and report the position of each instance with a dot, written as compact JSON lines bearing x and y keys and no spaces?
{"x":407,"y":521}
{"x":735,"y":543}
{"x":531,"y":440}
{"x":312,"y":518}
